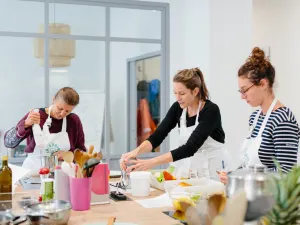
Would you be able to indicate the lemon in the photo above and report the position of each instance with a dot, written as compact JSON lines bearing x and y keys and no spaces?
{"x":178,"y":206}
{"x":179,"y":215}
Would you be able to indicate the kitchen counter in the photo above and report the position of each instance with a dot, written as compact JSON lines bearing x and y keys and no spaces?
{"x":124,"y":211}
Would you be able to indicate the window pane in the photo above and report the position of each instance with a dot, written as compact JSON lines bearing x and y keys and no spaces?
{"x":86,"y":74}
{"x":135,"y":23}
{"x":82,"y":19}
{"x":21,"y":16}
{"x":22,"y":81}
{"x":122,"y":129}
{"x":147,"y":73}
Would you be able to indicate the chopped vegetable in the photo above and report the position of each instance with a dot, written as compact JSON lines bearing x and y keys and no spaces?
{"x":171,"y":169}
{"x":159,"y":177}
{"x":184,"y":184}
{"x":168,"y":176}
{"x":44,"y":171}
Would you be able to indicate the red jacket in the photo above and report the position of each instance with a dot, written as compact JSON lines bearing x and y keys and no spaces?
{"x":145,"y":123}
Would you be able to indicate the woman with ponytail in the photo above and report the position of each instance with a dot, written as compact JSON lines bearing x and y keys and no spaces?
{"x":201,"y":136}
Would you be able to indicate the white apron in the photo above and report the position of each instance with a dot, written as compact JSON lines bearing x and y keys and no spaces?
{"x":46,"y":144}
{"x":250,"y":145}
{"x":207,"y":159}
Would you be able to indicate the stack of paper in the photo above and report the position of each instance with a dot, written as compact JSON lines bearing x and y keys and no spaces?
{"x":18,"y":173}
{"x":160,"y":201}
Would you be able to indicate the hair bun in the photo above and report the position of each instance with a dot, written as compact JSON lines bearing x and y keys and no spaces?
{"x":258,"y":56}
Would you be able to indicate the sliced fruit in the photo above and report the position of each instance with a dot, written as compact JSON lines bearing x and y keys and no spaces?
{"x":184,"y":184}
{"x":168,"y":176}
{"x":159,"y":177}
{"x":179,"y":215}
{"x":195,"y":197}
{"x":182,"y":207}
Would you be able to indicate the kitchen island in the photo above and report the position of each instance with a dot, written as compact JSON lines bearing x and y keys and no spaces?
{"x":124,"y":211}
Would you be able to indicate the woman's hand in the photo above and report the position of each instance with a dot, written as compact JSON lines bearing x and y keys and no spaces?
{"x":141,"y":165}
{"x":223,"y":177}
{"x":59,"y":155}
{"x":32,"y":118}
{"x":127,"y":157}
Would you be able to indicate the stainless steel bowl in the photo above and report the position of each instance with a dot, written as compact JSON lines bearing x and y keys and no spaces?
{"x":51,"y":212}
{"x":7,"y":218}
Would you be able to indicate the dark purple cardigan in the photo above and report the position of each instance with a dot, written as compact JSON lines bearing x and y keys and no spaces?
{"x":74,"y":130}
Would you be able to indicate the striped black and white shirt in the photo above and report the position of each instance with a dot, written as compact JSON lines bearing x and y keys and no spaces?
{"x":280,"y":138}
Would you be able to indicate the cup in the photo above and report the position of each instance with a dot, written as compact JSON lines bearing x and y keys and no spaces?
{"x":140,"y":183}
{"x":49,"y":162}
{"x":125,"y":177}
{"x":80,"y":193}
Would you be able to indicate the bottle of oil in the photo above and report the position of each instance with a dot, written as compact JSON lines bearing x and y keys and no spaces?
{"x":5,"y":185}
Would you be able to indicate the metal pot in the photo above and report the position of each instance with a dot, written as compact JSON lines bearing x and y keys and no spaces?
{"x":256,"y":182}
{"x":50,"y":212}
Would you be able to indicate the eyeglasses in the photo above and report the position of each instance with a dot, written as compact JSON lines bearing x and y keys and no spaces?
{"x":243,"y":92}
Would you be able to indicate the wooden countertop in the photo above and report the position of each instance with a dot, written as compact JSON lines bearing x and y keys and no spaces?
{"x":124,"y":211}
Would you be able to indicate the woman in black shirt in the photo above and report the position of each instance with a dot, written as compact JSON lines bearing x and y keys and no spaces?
{"x":201,"y":136}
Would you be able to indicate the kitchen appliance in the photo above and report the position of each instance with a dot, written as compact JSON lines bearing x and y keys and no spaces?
{"x":256,"y":182}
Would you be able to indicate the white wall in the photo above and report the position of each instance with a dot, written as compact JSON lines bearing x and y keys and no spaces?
{"x":231,"y":34}
{"x":189,"y":42}
{"x":276,"y":24}
{"x":216,"y":36}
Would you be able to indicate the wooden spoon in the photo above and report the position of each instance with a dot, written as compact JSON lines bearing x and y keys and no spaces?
{"x":78,"y":157}
{"x":91,"y":149}
{"x":111,"y":220}
{"x":68,"y":157}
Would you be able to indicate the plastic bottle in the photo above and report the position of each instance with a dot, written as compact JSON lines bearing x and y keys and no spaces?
{"x":61,"y":185}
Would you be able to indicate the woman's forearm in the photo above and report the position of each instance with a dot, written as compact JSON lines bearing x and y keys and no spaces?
{"x":146,"y":146}
{"x":163,"y":159}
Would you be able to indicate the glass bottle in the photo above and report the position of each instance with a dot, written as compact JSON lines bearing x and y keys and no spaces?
{"x":5,"y":185}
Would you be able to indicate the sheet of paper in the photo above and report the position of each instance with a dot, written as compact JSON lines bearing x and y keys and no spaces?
{"x":18,"y":173}
{"x":160,"y":201}
{"x":128,"y":190}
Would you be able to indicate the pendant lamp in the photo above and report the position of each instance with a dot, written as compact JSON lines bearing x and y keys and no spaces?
{"x":61,"y":51}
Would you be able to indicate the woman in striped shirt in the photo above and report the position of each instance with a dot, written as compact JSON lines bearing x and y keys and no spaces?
{"x":274,"y":131}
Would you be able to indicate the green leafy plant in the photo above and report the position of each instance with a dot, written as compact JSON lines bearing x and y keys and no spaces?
{"x":286,"y":191}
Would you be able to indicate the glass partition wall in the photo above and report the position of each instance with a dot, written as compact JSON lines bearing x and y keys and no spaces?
{"x":114,"y":53}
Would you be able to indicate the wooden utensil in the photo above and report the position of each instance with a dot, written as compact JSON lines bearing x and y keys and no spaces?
{"x":78,"y":157}
{"x":68,"y":156}
{"x":111,"y":220}
{"x":91,"y":149}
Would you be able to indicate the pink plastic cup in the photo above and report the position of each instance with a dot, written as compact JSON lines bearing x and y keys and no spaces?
{"x":80,"y":192}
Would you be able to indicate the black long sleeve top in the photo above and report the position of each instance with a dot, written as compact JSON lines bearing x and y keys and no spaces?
{"x":210,"y":125}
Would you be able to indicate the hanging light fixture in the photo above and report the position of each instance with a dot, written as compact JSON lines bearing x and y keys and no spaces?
{"x":61,"y":51}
